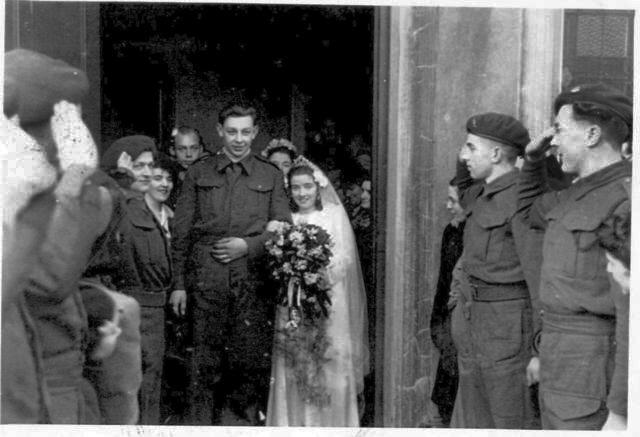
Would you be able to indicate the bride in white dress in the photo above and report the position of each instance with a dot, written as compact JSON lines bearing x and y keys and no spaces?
{"x":346,"y":360}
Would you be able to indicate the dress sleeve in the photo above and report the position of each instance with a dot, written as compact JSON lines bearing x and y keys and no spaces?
{"x":343,"y":250}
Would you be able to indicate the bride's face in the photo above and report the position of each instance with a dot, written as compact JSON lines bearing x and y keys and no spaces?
{"x":304,"y":191}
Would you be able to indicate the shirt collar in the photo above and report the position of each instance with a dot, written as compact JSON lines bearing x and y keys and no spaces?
{"x":246,"y":163}
{"x":501,"y":183}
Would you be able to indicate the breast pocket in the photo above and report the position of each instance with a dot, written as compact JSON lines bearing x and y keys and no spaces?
{"x":209,"y":192}
{"x":490,"y":242}
{"x":144,"y":239}
{"x":588,"y":259}
{"x":259,"y":199}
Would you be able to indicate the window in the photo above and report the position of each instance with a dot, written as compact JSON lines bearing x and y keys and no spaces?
{"x":598,"y":47}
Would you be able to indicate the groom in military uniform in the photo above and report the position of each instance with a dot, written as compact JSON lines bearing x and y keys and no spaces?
{"x":218,"y":250}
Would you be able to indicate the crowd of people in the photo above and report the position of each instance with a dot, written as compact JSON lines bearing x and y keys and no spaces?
{"x":531,"y":328}
{"x":114,"y":267}
{"x":117,"y":264}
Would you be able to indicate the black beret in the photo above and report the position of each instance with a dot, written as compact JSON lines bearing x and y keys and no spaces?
{"x":499,"y":127}
{"x":598,"y":94}
{"x":134,"y":145}
{"x":33,"y":83}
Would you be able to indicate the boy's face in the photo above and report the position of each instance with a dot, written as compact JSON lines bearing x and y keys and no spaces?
{"x":109,"y":332}
{"x":161,"y":185}
{"x":478,"y":154}
{"x":237,"y":134}
{"x":186,"y":149}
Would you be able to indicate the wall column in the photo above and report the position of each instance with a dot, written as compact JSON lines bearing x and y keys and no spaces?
{"x":541,"y":66}
{"x":445,"y":65}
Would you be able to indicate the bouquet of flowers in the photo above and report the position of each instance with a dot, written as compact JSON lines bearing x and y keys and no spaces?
{"x":298,"y":258}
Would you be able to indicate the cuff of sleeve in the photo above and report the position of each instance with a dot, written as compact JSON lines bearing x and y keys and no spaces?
{"x":535,"y":346}
{"x":617,"y":403}
{"x":178,"y":283}
{"x":255,"y":245}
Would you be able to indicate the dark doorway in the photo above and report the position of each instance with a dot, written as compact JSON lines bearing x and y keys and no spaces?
{"x":311,"y":58}
{"x":170,"y":64}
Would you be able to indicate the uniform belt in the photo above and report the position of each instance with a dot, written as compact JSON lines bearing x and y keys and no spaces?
{"x":148,"y":298}
{"x":482,"y":291}
{"x":580,"y":323}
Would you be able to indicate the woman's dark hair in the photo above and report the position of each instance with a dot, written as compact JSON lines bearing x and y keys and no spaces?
{"x":614,"y":235}
{"x":613,"y":127}
{"x":282,"y":149}
{"x":303,"y":169}
{"x":100,"y":308}
{"x":167,"y":164}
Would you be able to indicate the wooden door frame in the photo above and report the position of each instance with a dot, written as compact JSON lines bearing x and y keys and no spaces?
{"x":380,"y":142}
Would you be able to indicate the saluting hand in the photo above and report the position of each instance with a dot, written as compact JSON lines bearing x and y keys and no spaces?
{"x":229,"y":249}
{"x":537,"y":148}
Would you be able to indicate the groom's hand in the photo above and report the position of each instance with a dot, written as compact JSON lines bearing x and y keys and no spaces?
{"x":229,"y":249}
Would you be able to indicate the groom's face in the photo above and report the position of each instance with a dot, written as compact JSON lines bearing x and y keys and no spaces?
{"x":237,"y":134}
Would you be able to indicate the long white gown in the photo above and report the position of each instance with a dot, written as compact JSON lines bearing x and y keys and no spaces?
{"x":347,"y":353}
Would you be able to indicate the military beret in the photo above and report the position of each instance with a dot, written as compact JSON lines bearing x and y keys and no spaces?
{"x":134,"y":145}
{"x":33,"y":83}
{"x":499,"y":127}
{"x":598,"y":94}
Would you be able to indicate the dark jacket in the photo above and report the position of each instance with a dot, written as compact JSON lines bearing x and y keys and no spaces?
{"x":573,"y":278}
{"x":134,"y":254}
{"x":212,"y":206}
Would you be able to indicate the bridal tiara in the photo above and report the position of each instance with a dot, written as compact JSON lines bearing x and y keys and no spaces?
{"x":318,"y":175}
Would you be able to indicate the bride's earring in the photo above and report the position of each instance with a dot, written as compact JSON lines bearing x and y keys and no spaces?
{"x":318,"y":202}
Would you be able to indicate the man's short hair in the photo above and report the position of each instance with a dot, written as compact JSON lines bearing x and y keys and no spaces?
{"x":614,"y":129}
{"x":187,"y":130}
{"x":510,"y":153}
{"x":237,"y":110}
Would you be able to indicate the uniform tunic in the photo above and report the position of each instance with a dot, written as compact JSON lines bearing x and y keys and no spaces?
{"x":53,"y":300}
{"x":583,"y":350}
{"x":233,"y":309}
{"x":492,"y":391}
{"x":135,"y":259}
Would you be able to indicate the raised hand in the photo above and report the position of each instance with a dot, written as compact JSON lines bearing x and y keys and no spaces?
{"x":125,"y":162}
{"x":74,"y":141}
{"x":538,"y":147}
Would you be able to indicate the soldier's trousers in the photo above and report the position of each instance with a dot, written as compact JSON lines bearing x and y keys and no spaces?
{"x":152,"y":347}
{"x":576,"y":365}
{"x":233,"y":315}
{"x":493,"y":340}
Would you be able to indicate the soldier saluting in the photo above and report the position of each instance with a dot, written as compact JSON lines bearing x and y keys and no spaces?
{"x":584,"y":330}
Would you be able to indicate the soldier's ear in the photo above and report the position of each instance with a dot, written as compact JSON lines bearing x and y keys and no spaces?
{"x":255,"y":131}
{"x":593,"y":135}
{"x":220,"y":130}
{"x":496,"y":154}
